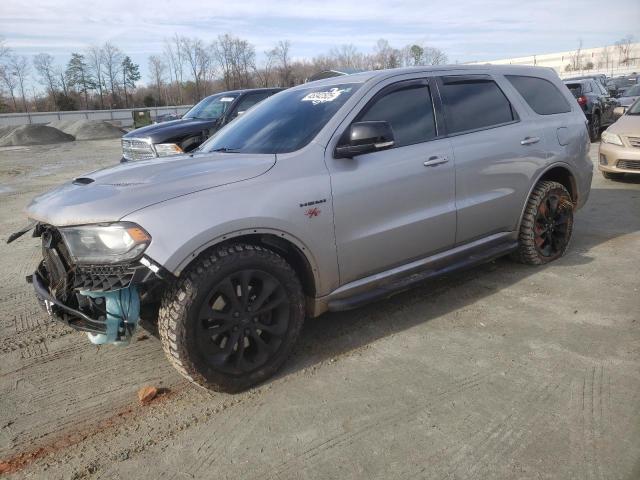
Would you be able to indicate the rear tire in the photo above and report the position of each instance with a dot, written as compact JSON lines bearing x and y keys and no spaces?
{"x":232,"y":318}
{"x":546,"y":226}
{"x":612,"y":175}
{"x":594,"y":127}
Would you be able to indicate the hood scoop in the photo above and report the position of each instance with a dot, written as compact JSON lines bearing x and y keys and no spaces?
{"x":83,"y":181}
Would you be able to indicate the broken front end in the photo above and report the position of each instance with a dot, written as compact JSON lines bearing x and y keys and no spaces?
{"x":95,"y":277}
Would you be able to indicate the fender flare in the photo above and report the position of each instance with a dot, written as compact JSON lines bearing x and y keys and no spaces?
{"x":299,"y":244}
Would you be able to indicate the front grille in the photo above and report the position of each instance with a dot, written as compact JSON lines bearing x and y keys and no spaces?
{"x":634,"y":141}
{"x":103,"y":278}
{"x":136,"y":149}
{"x":629,"y":164}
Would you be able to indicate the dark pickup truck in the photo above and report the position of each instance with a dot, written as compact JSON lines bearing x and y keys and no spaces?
{"x":198,"y":124}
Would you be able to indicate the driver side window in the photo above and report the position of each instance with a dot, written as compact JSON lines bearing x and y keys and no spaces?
{"x":408,"y":108}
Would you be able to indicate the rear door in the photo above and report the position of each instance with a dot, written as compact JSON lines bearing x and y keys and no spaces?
{"x":395,"y":205}
{"x":497,"y":150}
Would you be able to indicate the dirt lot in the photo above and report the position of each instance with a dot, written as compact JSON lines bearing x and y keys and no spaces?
{"x":505,"y":371}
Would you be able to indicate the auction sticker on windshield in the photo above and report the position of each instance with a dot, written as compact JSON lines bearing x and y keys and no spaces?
{"x":227,"y":99}
{"x":322,"y":97}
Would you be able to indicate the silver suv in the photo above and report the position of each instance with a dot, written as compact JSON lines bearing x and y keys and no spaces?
{"x":323,"y":197}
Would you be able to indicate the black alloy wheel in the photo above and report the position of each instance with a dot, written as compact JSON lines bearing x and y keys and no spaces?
{"x":243,"y":321}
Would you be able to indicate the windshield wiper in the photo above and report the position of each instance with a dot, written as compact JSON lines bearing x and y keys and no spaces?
{"x":226,"y":150}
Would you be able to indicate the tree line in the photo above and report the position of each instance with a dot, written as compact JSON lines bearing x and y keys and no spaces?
{"x":188,"y":69}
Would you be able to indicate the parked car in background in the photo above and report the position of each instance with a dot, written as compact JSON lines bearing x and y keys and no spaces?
{"x":596,"y":103}
{"x":187,"y":133}
{"x":322,"y":198}
{"x":630,"y":95}
{"x":620,"y":146}
{"x":617,"y":85}
{"x":601,"y":78}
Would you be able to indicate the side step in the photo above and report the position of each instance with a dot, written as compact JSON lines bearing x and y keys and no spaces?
{"x":387,"y":290}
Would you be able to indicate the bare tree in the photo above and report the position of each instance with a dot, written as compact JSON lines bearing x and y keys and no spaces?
{"x":95,"y":60}
{"x":604,"y":59}
{"x":43,"y":63}
{"x":19,"y":66}
{"x":9,"y":81}
{"x":157,"y":68}
{"x":386,"y":56}
{"x":434,"y":56}
{"x":346,"y":56}
{"x":175,"y":60}
{"x":283,"y":58}
{"x":575,"y":58}
{"x":236,"y":59}
{"x":112,"y":64}
{"x":624,"y":49}
{"x":197,"y":61}
{"x":265,"y":72}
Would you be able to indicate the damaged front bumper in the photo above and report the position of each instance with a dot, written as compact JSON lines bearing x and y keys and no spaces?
{"x":101,"y":300}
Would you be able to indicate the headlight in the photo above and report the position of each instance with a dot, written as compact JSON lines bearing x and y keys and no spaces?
{"x":118,"y":242}
{"x":612,"y":138}
{"x":166,"y":149}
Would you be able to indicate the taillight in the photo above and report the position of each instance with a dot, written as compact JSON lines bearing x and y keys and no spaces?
{"x":582,"y":100}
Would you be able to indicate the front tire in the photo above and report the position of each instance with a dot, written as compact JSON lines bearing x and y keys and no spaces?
{"x":232,"y":318}
{"x":546,"y":226}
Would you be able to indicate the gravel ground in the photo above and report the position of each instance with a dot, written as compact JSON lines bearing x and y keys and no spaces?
{"x":504,"y":371}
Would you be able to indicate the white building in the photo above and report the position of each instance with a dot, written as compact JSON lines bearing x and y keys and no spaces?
{"x":607,"y":60}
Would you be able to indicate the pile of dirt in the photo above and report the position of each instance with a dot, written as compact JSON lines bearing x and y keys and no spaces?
{"x":88,"y":129}
{"x":34,"y":135}
{"x":5,"y":130}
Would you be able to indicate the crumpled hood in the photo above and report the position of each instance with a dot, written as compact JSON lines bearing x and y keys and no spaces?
{"x":108,"y":195}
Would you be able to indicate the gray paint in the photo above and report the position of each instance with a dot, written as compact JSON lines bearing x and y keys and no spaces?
{"x":382,"y":210}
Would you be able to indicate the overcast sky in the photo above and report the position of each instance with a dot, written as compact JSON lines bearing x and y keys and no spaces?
{"x":465,"y":30}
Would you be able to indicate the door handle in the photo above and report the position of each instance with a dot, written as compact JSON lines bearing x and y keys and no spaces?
{"x":435,"y":161}
{"x":529,"y":140}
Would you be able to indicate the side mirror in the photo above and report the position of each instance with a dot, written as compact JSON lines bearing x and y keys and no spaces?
{"x":365,"y":137}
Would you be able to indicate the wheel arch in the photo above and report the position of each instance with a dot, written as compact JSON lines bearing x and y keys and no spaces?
{"x":289,"y":247}
{"x":557,"y":172}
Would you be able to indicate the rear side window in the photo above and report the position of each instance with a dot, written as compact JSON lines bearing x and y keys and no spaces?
{"x":409,"y":111}
{"x":474,"y":102}
{"x":249,"y":101}
{"x":542,"y":96}
{"x":575,"y":89}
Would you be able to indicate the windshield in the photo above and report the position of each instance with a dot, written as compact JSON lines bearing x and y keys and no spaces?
{"x":634,"y":109}
{"x":633,"y":91}
{"x":211,"y":108}
{"x":284,"y":122}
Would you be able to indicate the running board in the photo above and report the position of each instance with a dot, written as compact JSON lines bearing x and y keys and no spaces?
{"x":435,"y":268}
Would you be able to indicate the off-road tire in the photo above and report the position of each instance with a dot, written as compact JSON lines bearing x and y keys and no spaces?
{"x":181,"y":304}
{"x":527,"y":251}
{"x":612,"y":175}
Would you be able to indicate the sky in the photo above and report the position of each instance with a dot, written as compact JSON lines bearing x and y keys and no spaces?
{"x":466,"y":30}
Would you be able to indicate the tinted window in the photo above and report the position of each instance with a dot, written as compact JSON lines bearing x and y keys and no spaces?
{"x":284,"y":122}
{"x":249,"y":101}
{"x":541,"y":95}
{"x":408,"y":110}
{"x":474,"y":101}
{"x":575,"y":89}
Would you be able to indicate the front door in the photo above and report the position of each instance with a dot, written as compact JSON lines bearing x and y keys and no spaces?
{"x":395,"y":205}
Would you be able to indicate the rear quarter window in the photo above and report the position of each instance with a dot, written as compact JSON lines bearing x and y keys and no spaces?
{"x":474,"y":102}
{"x":543,"y":97}
{"x":575,"y":89}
